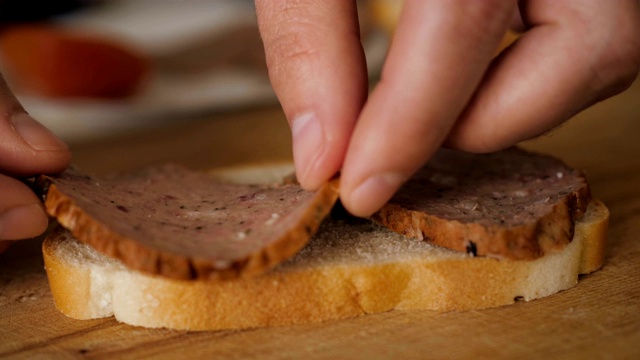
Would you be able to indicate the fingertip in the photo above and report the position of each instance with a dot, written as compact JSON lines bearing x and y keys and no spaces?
{"x":23,"y":222}
{"x":53,"y":154}
{"x":322,"y":167}
{"x":318,"y":149}
{"x":22,"y":214}
{"x":58,"y":161}
{"x":368,"y":196}
{"x":308,"y":148}
{"x":35,"y":134}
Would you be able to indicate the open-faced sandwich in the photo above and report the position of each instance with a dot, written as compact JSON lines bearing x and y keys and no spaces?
{"x":170,"y":247}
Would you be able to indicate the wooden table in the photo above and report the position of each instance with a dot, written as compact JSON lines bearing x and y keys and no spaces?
{"x":600,"y":318}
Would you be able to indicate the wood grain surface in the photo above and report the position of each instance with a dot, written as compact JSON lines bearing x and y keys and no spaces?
{"x":600,"y":318}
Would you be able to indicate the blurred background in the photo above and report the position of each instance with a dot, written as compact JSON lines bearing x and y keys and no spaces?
{"x":89,"y":69}
{"x":128,"y":83}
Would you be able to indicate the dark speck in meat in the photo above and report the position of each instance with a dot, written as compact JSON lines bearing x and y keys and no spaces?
{"x":471,"y":248}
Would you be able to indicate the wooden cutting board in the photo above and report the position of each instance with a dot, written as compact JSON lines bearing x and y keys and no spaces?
{"x":600,"y":318}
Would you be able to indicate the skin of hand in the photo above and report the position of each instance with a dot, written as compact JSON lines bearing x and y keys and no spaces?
{"x":27,"y":148}
{"x":441,"y":84}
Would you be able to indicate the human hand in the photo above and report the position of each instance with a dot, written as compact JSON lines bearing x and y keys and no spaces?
{"x":26,"y":148}
{"x":440,"y":84}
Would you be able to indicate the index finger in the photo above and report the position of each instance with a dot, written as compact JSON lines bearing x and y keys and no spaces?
{"x":317,"y":69}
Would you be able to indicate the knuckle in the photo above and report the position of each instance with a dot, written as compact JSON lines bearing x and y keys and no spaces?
{"x":493,"y":15}
{"x":476,"y":11}
{"x":290,"y":57}
{"x":617,"y":63}
{"x":291,"y":46}
{"x":618,"y":69}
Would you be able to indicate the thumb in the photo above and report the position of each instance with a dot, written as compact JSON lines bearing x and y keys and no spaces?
{"x":26,"y":146}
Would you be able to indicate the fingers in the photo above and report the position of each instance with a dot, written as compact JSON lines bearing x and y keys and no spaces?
{"x":317,"y":69}
{"x":27,"y":147}
{"x":575,"y":54}
{"x":439,"y":53}
{"x":21,"y":212}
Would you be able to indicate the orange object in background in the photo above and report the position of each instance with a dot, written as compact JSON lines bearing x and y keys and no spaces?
{"x":48,"y":61}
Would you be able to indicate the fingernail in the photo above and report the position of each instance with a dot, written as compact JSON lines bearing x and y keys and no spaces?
{"x":22,"y":222}
{"x":374,"y":192}
{"x":35,"y":134}
{"x":308,"y":143}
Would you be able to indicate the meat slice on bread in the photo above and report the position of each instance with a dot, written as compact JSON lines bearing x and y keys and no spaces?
{"x":348,"y":269}
{"x":547,"y":235}
{"x":510,"y":204}
{"x":184,"y":224}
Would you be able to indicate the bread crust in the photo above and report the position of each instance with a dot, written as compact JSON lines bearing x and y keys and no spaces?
{"x":549,"y":231}
{"x":141,"y":257}
{"x":439,"y":280}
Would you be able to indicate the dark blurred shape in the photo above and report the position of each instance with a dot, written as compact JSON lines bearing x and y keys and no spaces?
{"x":240,"y":47}
{"x":53,"y":62}
{"x":16,"y":11}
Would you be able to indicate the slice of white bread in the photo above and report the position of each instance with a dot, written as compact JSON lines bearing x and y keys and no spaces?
{"x":349,"y":268}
